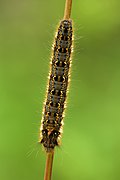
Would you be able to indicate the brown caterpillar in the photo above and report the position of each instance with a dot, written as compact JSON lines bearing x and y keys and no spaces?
{"x":52,"y":120}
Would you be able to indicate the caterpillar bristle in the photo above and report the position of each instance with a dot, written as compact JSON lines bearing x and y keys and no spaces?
{"x":58,"y":80}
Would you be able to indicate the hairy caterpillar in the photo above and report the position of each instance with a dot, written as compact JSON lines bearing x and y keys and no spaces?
{"x":52,"y":119}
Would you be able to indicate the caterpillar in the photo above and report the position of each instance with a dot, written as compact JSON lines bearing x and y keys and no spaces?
{"x":53,"y":110}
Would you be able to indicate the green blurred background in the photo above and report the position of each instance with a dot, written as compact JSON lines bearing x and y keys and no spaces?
{"x":90,"y":147}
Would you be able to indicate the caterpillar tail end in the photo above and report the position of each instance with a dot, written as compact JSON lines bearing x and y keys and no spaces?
{"x":49,"y":140}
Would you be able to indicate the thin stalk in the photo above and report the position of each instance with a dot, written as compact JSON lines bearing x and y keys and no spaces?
{"x":48,"y":168}
{"x":68,"y":7}
{"x":50,"y":155}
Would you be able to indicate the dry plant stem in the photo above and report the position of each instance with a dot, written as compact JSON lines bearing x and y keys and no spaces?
{"x":68,"y":7}
{"x":50,"y":155}
{"x":48,"y":168}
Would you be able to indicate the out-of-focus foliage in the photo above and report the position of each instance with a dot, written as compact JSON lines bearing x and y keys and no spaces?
{"x":90,"y":147}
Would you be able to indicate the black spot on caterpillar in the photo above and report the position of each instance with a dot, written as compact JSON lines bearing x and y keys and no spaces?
{"x":51,"y":124}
